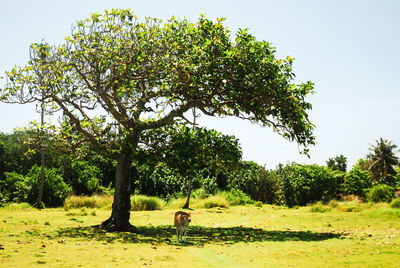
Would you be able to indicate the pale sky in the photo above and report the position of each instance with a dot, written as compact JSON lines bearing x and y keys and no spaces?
{"x":348,"y":48}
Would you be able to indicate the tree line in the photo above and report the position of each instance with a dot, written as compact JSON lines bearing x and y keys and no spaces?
{"x":217,"y":166}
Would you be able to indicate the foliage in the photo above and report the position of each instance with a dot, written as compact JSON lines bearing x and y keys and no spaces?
{"x":395,"y":203}
{"x":236,"y":197}
{"x":15,"y":188}
{"x":200,"y":193}
{"x":19,"y":188}
{"x":82,"y":176}
{"x":100,"y":65}
{"x":142,"y":202}
{"x":380,"y":193}
{"x":337,"y":163}
{"x":303,"y":184}
{"x":191,"y":149}
{"x":383,"y":161}
{"x":255,"y":181}
{"x":258,"y":204}
{"x":159,"y":180}
{"x":55,"y":189}
{"x":14,"y":152}
{"x":356,"y":181}
{"x":141,"y":76}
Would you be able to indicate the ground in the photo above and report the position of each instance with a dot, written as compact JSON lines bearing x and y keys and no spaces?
{"x":243,"y":236}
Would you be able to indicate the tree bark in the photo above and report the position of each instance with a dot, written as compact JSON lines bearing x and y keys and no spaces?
{"x":119,"y":219}
{"x":186,"y":206}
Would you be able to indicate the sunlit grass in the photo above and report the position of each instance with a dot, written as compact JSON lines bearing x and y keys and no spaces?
{"x":238,"y":236}
{"x":142,"y":202}
{"x":95,"y":201}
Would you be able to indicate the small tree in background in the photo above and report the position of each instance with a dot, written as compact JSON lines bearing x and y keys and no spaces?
{"x":189,"y":150}
{"x":337,"y":163}
{"x":383,"y":161}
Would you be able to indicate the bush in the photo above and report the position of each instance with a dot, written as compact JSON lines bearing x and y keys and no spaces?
{"x":141,"y":202}
{"x":380,"y":193}
{"x":333,"y":203}
{"x":214,"y":201}
{"x":236,"y":197}
{"x":95,"y":201}
{"x":82,"y":176}
{"x":304,"y":184}
{"x":320,"y":208}
{"x":55,"y":189}
{"x":356,"y":181}
{"x":258,"y":204}
{"x":200,"y":193}
{"x":395,"y":203}
{"x":160,"y":180}
{"x":15,"y":188}
{"x":255,"y":181}
{"x":26,"y":188}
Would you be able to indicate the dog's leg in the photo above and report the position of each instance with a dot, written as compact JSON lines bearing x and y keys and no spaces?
{"x":177,"y":235}
{"x":185,"y":235}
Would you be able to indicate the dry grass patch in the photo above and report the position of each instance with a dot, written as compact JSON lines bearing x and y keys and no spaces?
{"x":94,"y":201}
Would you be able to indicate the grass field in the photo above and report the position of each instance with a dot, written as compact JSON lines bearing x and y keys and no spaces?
{"x":242,"y":236}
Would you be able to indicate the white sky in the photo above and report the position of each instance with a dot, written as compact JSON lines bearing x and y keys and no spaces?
{"x":349,"y":49}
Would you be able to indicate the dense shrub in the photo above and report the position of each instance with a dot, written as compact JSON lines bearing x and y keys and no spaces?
{"x":255,"y":181}
{"x":161,"y":181}
{"x":26,"y":188}
{"x":15,"y":188}
{"x":303,"y":184}
{"x":380,"y":193}
{"x":55,"y":189}
{"x":356,"y":181}
{"x":395,"y":203}
{"x":82,"y":176}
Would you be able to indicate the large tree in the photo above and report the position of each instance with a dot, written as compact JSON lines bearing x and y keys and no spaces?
{"x":116,"y":77}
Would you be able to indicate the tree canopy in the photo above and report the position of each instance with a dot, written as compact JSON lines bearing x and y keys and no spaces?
{"x":383,"y":160}
{"x":115,"y":77}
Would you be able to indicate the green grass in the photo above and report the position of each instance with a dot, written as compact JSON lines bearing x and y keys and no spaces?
{"x":238,"y":236}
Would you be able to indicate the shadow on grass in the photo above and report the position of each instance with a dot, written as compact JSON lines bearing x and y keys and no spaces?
{"x":197,"y":235}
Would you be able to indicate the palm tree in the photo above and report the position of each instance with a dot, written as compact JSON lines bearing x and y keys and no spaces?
{"x":383,"y":160}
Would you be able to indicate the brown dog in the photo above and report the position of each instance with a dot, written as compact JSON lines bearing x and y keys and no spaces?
{"x":181,"y":222}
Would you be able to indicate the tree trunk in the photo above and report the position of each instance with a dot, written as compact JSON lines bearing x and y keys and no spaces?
{"x":186,"y":206}
{"x":38,"y":203}
{"x":119,"y":219}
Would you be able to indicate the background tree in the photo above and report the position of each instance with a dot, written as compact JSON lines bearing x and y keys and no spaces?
{"x":383,"y":160}
{"x":337,"y":163}
{"x":189,"y":150}
{"x":116,"y":77}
